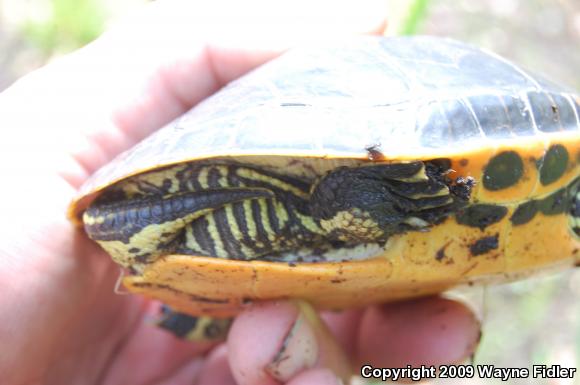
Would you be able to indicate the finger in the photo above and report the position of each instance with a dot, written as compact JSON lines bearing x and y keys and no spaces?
{"x":344,"y":325}
{"x":153,"y":67}
{"x":274,"y":342}
{"x":184,"y":375}
{"x":216,"y":369}
{"x":422,"y":332}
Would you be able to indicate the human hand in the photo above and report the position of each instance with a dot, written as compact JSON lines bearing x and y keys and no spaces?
{"x":60,"y":321}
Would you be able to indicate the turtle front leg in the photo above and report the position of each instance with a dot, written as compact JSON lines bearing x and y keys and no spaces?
{"x":372,"y":203}
{"x":138,"y":231}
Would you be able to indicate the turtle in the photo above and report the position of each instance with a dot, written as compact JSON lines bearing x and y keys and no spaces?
{"x":366,"y":170}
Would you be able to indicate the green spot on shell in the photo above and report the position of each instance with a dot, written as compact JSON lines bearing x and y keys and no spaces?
{"x":503,"y":170}
{"x":524,"y":213}
{"x":554,"y":204}
{"x":553,"y":164}
{"x":481,"y":215}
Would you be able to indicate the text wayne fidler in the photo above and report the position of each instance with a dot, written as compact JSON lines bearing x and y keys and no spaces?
{"x":465,"y":371}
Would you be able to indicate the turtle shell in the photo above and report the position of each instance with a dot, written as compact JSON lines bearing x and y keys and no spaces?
{"x":376,"y":99}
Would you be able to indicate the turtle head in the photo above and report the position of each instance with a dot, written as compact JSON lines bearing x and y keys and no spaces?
{"x":371,"y":203}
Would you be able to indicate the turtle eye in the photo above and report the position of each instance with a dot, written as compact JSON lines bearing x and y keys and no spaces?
{"x":371,"y":203}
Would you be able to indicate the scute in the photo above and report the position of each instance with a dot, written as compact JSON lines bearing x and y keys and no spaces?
{"x":415,"y":96}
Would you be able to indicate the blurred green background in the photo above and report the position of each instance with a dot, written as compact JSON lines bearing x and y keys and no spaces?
{"x":531,"y":322}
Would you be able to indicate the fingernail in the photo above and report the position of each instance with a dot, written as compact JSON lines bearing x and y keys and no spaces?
{"x":299,"y":348}
{"x":309,"y":343}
